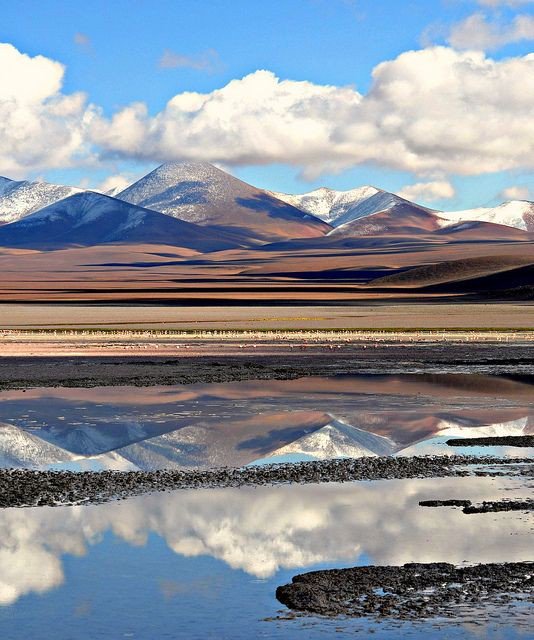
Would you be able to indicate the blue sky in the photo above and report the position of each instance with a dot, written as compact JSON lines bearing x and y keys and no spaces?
{"x":113,"y":52}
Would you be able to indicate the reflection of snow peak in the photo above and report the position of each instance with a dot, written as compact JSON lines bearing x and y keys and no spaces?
{"x":262,"y":529}
{"x":447,"y":429}
{"x":131,"y":443}
{"x":338,"y":440}
{"x":499,"y":429}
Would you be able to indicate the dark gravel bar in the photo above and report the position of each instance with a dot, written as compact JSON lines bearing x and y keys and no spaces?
{"x":413,"y":591}
{"x":487,"y":506}
{"x":21,"y":488}
{"x":494,"y":506}
{"x":493,"y":441}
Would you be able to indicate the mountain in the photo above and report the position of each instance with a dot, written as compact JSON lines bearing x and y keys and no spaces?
{"x":436,"y":444}
{"x":402,"y":218}
{"x":19,"y":199}
{"x":328,"y":204}
{"x":341,"y":207}
{"x":202,"y":194}
{"x":89,"y":218}
{"x":515,"y":213}
{"x":337,"y":440}
{"x":18,"y":448}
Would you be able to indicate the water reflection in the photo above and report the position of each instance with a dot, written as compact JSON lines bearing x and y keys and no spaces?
{"x":239,"y":423}
{"x":263,"y":530}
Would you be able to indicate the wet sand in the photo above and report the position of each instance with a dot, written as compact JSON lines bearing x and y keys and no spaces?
{"x":77,"y":362}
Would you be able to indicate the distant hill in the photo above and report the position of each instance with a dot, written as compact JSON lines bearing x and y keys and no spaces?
{"x":89,"y":218}
{"x":200,"y":193}
{"x":495,"y":277}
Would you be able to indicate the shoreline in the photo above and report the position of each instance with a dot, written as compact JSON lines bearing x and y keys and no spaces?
{"x":74,"y":361}
{"x":27,"y":488}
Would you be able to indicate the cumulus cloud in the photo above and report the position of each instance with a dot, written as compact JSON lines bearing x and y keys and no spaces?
{"x":427,"y":111}
{"x":435,"y":111}
{"x":40,"y":128}
{"x":478,"y":32}
{"x":428,"y":191}
{"x":208,"y":61}
{"x":515,"y":193}
{"x":114,"y":184}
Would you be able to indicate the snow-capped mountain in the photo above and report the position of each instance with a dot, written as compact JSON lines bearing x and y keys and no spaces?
{"x":515,"y":213}
{"x":90,"y":218}
{"x":200,"y":193}
{"x":20,"y":198}
{"x":328,"y":204}
{"x":18,"y":448}
{"x":341,"y":207}
{"x":446,"y":429}
{"x":337,"y":440}
{"x":400,"y":218}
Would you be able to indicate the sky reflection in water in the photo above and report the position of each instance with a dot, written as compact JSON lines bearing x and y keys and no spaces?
{"x":193,"y":563}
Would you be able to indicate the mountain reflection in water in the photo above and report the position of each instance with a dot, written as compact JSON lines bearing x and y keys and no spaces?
{"x":234,"y":424}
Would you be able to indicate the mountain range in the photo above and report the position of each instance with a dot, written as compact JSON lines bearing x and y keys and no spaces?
{"x":239,"y":214}
{"x":198,"y":233}
{"x":316,"y":437}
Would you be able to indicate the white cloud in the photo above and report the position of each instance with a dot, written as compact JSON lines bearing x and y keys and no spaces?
{"x":40,"y":128}
{"x":428,"y":191}
{"x":515,"y":193}
{"x":208,"y":61}
{"x":478,"y":32}
{"x":436,"y":111}
{"x":428,"y":111}
{"x":114,"y":184}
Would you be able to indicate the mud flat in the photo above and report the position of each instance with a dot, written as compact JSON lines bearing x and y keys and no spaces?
{"x":20,"y":488}
{"x":222,"y":315}
{"x":413,"y":591}
{"x":83,"y":359}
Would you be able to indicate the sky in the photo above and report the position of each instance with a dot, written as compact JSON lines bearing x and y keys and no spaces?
{"x":431,"y":99}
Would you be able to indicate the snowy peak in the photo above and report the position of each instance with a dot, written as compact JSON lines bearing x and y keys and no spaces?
{"x":19,"y":199}
{"x":199,"y":192}
{"x":328,"y":204}
{"x":341,"y":207}
{"x":90,"y":218}
{"x":338,"y":439}
{"x":179,"y":187}
{"x":515,"y":213}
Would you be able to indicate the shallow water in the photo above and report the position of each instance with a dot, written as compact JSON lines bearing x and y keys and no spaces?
{"x":206,"y":563}
{"x":234,"y":424}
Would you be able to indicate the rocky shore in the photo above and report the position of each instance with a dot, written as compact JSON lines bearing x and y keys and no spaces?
{"x":22,"y":488}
